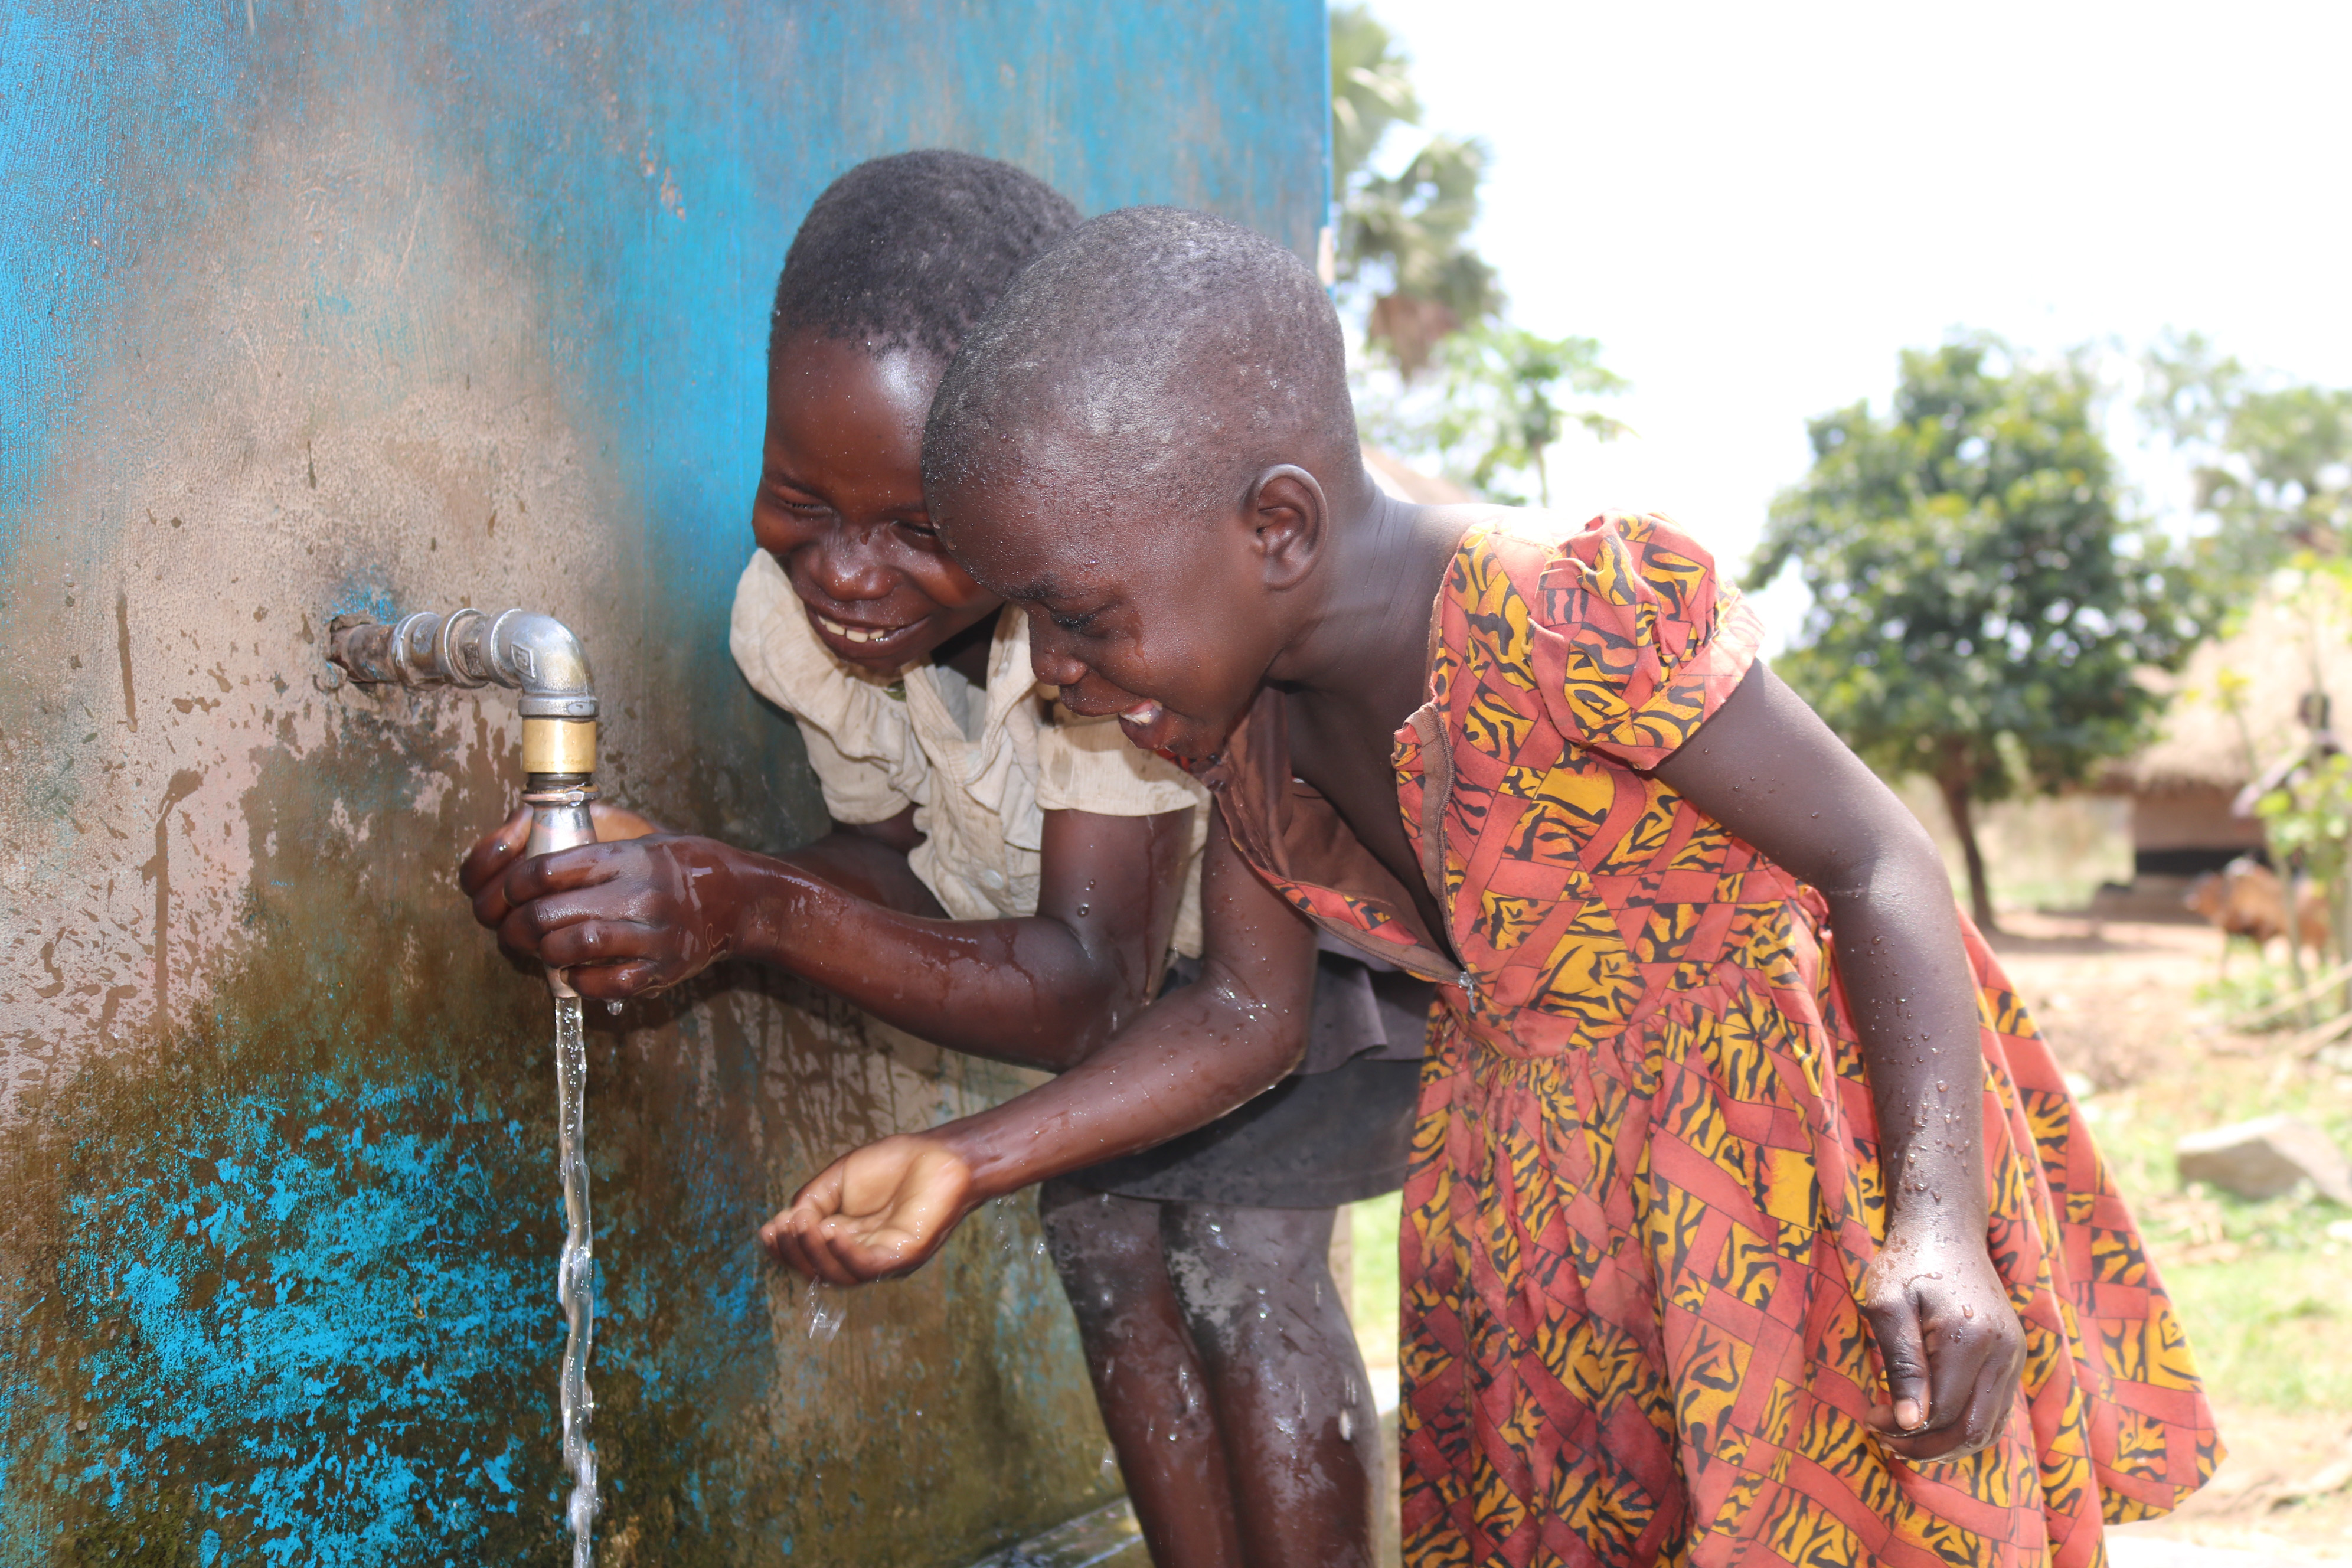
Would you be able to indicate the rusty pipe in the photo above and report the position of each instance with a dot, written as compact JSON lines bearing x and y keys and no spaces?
{"x":536,"y":655}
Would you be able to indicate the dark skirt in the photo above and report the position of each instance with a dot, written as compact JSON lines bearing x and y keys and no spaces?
{"x":1316,"y":1140}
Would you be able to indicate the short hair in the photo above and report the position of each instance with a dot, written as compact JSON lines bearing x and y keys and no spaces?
{"x":909,"y":251}
{"x":1188,"y":353}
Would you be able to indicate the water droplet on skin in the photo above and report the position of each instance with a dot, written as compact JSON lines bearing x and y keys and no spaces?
{"x":1346,"y":1426}
{"x":613,"y":1009}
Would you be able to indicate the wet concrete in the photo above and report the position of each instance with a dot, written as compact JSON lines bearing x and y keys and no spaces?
{"x":309,"y":306}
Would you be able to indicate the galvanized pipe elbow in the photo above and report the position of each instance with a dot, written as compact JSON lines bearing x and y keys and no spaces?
{"x":536,"y":655}
{"x":541,"y":658}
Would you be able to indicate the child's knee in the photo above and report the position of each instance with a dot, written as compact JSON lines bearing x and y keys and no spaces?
{"x":1246,"y":1273}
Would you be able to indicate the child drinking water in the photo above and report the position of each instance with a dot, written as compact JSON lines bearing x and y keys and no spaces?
{"x":1008,"y":879}
{"x":1749,"y":1220}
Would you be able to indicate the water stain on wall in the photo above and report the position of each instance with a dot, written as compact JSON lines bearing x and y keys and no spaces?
{"x":286,"y":1279}
{"x":322,"y":306}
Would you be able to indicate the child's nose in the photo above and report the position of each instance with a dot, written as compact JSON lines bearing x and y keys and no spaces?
{"x":849,"y":567}
{"x":1052,"y":663}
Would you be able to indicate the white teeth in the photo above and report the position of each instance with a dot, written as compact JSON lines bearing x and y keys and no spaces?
{"x":854,"y":634}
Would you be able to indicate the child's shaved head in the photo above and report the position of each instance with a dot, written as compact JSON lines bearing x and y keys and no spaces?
{"x":905,"y":253}
{"x":1175,"y":353}
{"x":1148,"y":445}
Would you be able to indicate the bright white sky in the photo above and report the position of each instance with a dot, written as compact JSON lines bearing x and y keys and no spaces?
{"x":1753,"y":207}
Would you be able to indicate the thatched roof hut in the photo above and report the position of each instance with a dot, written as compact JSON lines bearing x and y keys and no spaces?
{"x":2241,"y":704}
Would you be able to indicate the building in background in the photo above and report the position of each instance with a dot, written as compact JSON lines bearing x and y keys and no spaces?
{"x":2241,"y":705}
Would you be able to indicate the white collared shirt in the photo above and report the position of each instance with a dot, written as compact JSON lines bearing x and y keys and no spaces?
{"x":980,"y":765}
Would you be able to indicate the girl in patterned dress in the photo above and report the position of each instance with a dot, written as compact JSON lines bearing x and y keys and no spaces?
{"x":1749,"y":1221}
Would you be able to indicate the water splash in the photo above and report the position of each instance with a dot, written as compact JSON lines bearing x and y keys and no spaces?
{"x":576,"y":1275}
{"x":826,"y":1308}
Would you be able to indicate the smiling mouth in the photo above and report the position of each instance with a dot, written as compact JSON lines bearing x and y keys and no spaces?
{"x":858,"y":634}
{"x":1143,"y":724}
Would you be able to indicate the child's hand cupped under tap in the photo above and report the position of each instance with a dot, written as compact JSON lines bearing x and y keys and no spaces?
{"x":876,"y":1213}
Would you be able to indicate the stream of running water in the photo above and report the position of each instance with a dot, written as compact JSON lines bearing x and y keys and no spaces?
{"x":576,"y":1275}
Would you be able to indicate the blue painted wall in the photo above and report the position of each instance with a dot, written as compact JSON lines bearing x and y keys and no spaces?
{"x":337,"y":304}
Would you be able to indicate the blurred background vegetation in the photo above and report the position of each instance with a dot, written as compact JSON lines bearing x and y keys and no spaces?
{"x":2000,"y":623}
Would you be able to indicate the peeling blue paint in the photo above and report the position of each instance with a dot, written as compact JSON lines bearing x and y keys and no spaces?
{"x":280,"y":1283}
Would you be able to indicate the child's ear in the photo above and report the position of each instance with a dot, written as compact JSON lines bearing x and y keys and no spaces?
{"x":1289,"y":519}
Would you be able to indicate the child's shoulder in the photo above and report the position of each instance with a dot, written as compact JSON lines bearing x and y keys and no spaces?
{"x":1616,"y":624}
{"x":1567,"y":566}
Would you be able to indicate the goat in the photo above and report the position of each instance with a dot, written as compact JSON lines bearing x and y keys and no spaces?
{"x":2246,"y":899}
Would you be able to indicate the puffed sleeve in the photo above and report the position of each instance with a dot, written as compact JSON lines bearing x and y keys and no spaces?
{"x":1634,"y":640}
{"x":858,"y":738}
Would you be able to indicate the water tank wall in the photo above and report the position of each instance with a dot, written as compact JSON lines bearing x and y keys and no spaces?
{"x":309,"y":306}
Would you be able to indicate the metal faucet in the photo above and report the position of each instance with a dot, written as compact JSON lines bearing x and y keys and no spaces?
{"x":536,"y":655}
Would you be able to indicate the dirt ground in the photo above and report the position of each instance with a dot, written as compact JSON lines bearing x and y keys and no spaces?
{"x":2128,"y":1007}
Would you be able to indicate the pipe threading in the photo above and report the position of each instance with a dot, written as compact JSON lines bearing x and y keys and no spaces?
{"x":535,"y":655}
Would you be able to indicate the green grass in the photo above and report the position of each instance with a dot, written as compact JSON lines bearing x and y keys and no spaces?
{"x":1375,"y":1232}
{"x":2265,"y":1290}
{"x":2271,"y":1328}
{"x":2251,"y":986}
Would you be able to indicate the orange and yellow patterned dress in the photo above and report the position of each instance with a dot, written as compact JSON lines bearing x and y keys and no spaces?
{"x":1646,"y":1183}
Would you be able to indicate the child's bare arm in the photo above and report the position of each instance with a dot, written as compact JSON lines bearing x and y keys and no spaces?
{"x":1197,"y":1053}
{"x":1768,"y":769}
{"x":1041,"y":991}
{"x":867,"y":860}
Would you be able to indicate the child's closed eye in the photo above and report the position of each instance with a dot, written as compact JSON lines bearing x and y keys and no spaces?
{"x":798,"y":504}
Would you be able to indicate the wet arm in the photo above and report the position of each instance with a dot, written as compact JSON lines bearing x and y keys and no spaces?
{"x":1040,"y":992}
{"x":1192,"y":1056}
{"x":1195,"y":1055}
{"x":1768,"y":769}
{"x":868,"y":860}
{"x":847,"y":913}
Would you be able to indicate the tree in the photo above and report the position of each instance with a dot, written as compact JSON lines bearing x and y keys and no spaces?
{"x":1980,"y":605}
{"x":1403,"y":237}
{"x":1403,"y":256}
{"x":1498,"y":408}
{"x":1371,"y":91}
{"x":2272,"y":464}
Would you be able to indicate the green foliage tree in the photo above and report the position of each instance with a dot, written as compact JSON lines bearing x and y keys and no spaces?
{"x":1403,"y":237}
{"x":1371,"y":90}
{"x":1500,"y":407}
{"x":2272,"y":465}
{"x":1980,"y":603}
